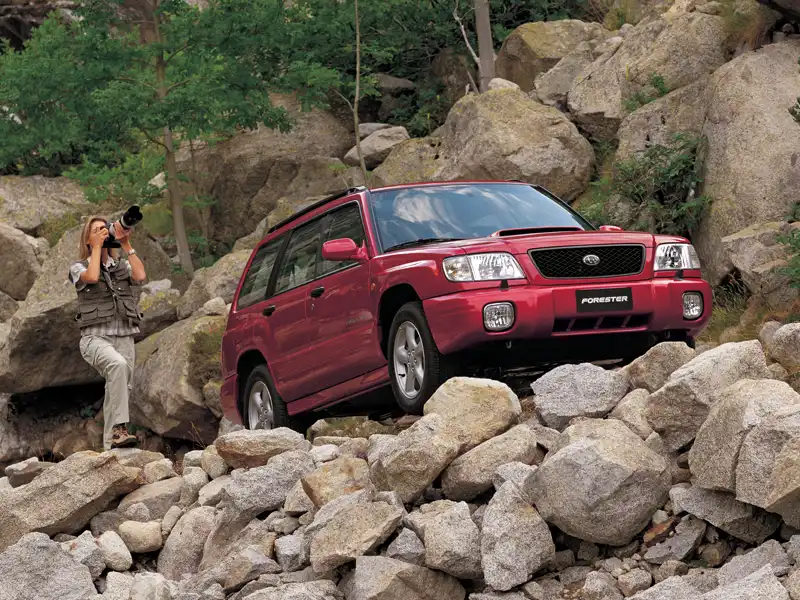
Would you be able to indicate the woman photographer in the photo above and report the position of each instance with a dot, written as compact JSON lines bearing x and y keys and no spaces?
{"x":109,"y":317}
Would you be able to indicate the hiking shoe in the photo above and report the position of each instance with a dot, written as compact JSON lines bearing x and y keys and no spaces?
{"x":121,"y":438}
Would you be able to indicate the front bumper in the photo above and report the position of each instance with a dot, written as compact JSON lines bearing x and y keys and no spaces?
{"x":456,"y":320}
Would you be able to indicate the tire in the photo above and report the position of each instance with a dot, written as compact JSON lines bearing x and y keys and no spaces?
{"x":435,"y":368}
{"x":259,"y":382}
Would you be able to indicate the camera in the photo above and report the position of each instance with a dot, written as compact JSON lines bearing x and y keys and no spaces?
{"x":128,"y":220}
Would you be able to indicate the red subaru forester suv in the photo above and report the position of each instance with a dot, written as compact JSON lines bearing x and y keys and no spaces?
{"x":411,"y":284}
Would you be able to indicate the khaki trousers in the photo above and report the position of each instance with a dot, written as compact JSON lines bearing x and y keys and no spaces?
{"x":113,"y":358}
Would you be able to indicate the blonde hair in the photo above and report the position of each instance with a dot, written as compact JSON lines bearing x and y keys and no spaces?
{"x":83,"y":250}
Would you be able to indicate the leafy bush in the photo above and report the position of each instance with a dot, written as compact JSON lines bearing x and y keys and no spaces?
{"x":658,"y":188}
{"x":644,"y":96}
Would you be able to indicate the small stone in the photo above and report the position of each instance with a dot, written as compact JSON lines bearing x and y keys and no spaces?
{"x":671,"y":568}
{"x":634,"y":582}
{"x":714,"y":554}
{"x":324,"y":454}
{"x":769,"y":553}
{"x":159,"y":470}
{"x":660,"y":517}
{"x":563,"y":559}
{"x":600,"y":586}
{"x":292,"y":552}
{"x":115,"y":553}
{"x":150,"y":586}
{"x":254,"y":448}
{"x":141,"y":538}
{"x":688,"y":535}
{"x":516,"y":472}
{"x":193,"y":458}
{"x":792,"y":585}
{"x":574,"y":575}
{"x":137,"y":512}
{"x":282,"y":523}
{"x":212,"y":463}
{"x":194,"y":480}
{"x":297,"y":502}
{"x":588,"y":551}
{"x":170,"y":520}
{"x":407,"y":547}
{"x":84,"y":549}
{"x":453,"y":543}
{"x":24,"y":472}
{"x":543,"y":589}
{"x":211,"y":493}
{"x":337,"y":478}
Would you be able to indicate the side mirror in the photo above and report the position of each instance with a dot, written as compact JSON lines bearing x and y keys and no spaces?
{"x":342,"y":250}
{"x":610,"y":228}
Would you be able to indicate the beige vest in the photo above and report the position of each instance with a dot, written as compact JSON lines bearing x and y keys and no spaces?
{"x":110,"y":298}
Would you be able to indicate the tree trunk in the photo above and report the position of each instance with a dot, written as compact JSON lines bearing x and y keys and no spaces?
{"x":483,"y":26}
{"x":358,"y":93}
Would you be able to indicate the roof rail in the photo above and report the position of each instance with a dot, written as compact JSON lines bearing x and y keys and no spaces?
{"x":317,"y":204}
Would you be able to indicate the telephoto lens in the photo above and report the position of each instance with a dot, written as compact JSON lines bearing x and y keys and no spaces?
{"x":129,"y":220}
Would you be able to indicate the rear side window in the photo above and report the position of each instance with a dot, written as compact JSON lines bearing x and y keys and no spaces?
{"x":256,"y":281}
{"x":344,"y":223}
{"x":299,"y":264}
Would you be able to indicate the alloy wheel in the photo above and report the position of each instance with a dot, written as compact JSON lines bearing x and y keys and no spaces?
{"x":260,"y":412}
{"x":409,"y":360}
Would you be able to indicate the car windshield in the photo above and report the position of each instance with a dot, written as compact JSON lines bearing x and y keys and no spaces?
{"x":464,"y":211}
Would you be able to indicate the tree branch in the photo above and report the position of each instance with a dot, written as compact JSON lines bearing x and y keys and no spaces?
{"x":177,"y":85}
{"x":151,"y":139}
{"x":172,"y":55}
{"x":135,"y":82}
{"x":464,"y":34}
{"x":343,"y":97}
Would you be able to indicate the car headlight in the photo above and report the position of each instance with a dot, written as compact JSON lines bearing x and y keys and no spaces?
{"x":672,"y":257}
{"x":482,"y":267}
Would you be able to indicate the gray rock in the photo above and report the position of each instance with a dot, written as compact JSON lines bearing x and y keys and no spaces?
{"x":688,"y":535}
{"x":407,"y":547}
{"x":183,"y":550}
{"x":601,"y":490}
{"x":574,"y":575}
{"x":785,"y":346}
{"x":474,"y":410}
{"x":671,"y":568}
{"x":26,"y":471}
{"x":584,"y":390}
{"x":292,"y":552}
{"x":761,"y":585}
{"x":543,"y":589}
{"x":251,"y":493}
{"x":379,"y":578}
{"x":326,"y":453}
{"x":246,"y":566}
{"x":673,"y":588}
{"x":352,"y":533}
{"x":115,"y":553}
{"x":792,"y":585}
{"x":84,"y":549}
{"x":254,"y":448}
{"x":194,"y":480}
{"x":737,"y":410}
{"x":631,"y":411}
{"x":793,"y":549}
{"x":515,"y":540}
{"x":282,"y":523}
{"x":170,"y":520}
{"x":42,"y":505}
{"x":724,"y":512}
{"x":159,"y":470}
{"x":765,"y":473}
{"x":158,"y":497}
{"x":399,"y":468}
{"x":141,"y":538}
{"x":472,"y":473}
{"x":337,"y":478}
{"x":297,"y":501}
{"x":377,"y":146}
{"x":366,"y":129}
{"x":211,"y":493}
{"x":137,"y":512}
{"x":600,"y":586}
{"x":315,"y":590}
{"x":150,"y":586}
{"x":193,"y":458}
{"x":769,"y":553}
{"x":677,"y":410}
{"x":452,"y":543}
{"x":594,"y":429}
{"x":635,"y":581}
{"x":516,"y":472}
{"x":212,"y":463}
{"x":35,"y":568}
{"x":653,"y":369}
{"x":118,"y":586}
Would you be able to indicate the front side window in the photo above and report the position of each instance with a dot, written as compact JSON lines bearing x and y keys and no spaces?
{"x":464,"y":211}
{"x":256,"y":281}
{"x":344,"y":222}
{"x":299,"y":265}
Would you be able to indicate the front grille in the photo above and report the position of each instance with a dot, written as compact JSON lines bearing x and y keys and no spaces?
{"x":600,"y":323}
{"x":567,"y":263}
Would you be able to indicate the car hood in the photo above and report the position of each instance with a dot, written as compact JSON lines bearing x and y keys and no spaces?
{"x":520,"y":244}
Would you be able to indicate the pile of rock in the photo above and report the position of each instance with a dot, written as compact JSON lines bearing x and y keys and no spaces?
{"x":672,"y":478}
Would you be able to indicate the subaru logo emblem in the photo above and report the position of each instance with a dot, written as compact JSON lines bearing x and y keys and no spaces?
{"x":591,"y":260}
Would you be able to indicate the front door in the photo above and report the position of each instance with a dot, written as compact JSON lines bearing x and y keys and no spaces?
{"x":340,"y":308}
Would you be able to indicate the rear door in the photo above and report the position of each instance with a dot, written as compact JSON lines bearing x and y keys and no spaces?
{"x":340,"y":309}
{"x":284,"y":328}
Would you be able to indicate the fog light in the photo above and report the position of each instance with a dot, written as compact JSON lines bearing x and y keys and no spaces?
{"x":692,"y":305}
{"x":498,"y":316}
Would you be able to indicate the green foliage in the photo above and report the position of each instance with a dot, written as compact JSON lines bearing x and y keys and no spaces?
{"x":730,"y":299}
{"x":657,"y":89}
{"x":121,"y":185}
{"x":792,"y":241}
{"x":659,"y":188}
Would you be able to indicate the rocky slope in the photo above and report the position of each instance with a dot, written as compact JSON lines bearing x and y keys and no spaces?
{"x":670,"y":479}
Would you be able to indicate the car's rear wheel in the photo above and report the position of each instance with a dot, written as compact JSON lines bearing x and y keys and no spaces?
{"x":416,"y":367}
{"x":263,"y":407}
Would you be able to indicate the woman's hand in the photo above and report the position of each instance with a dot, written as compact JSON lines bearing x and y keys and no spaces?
{"x":98,"y":236}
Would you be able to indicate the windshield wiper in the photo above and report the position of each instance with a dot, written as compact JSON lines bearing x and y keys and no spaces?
{"x":420,"y":241}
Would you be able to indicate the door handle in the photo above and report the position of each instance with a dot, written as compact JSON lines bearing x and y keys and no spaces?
{"x":317,"y":292}
{"x":269,"y":310}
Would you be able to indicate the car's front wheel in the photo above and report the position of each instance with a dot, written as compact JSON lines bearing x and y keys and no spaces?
{"x":416,"y":366}
{"x":263,"y":407}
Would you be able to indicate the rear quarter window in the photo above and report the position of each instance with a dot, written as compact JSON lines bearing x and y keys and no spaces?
{"x":256,"y":280}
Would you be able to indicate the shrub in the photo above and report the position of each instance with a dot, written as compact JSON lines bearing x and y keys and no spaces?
{"x":658,"y":88}
{"x":657,"y":187}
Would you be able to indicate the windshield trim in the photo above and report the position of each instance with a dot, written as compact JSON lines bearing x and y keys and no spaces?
{"x":380,"y":247}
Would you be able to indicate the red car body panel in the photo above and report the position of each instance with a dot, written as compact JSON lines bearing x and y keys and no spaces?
{"x":324,"y":349}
